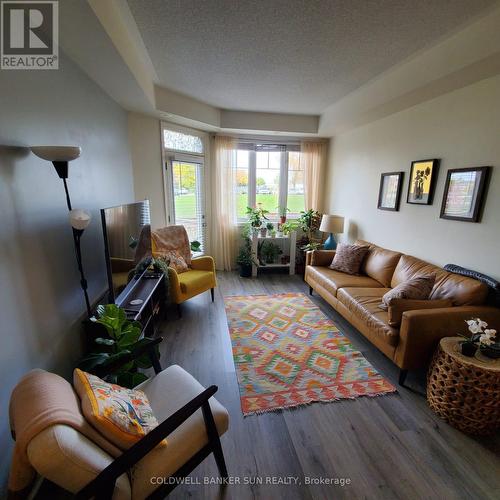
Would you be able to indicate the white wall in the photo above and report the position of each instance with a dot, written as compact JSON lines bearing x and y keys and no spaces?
{"x":41,"y":302}
{"x":461,"y":128}
{"x":145,"y":147}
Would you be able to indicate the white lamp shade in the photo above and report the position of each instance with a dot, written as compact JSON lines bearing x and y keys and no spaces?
{"x":79,"y":219}
{"x":332,"y":224}
{"x":57,"y":153}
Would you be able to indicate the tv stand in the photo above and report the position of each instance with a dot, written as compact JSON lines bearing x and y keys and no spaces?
{"x":143,"y":299}
{"x":150,"y":289}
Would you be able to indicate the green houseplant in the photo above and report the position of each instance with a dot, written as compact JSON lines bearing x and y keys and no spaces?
{"x":245,"y":258}
{"x":282,"y":211}
{"x":195,"y":246}
{"x":270,"y":252}
{"x":123,"y":339}
{"x":256,"y":216}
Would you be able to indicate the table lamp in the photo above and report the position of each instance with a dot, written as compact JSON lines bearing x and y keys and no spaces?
{"x":333,"y":224}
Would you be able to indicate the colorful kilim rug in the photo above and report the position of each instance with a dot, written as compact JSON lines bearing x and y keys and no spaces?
{"x":288,"y":353}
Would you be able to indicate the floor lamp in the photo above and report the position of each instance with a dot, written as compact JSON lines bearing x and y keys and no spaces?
{"x":60,"y":156}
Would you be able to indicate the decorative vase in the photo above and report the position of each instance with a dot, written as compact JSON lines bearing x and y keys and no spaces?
{"x":263,"y":232}
{"x":468,"y":349}
{"x":491,"y":351}
{"x":282,"y":219}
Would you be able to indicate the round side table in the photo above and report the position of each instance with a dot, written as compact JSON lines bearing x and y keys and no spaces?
{"x":463,"y":391}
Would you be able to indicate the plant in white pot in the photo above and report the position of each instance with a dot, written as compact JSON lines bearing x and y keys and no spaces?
{"x":480,"y":336}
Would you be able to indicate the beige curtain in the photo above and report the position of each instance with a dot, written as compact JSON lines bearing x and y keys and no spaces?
{"x":224,"y":228}
{"x":312,"y":161}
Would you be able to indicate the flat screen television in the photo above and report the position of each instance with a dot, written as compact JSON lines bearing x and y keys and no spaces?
{"x":127,"y":241}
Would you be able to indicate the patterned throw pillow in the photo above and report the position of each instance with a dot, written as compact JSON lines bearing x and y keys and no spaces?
{"x":176,"y":259}
{"x":348,"y":258}
{"x":123,"y":416}
{"x":417,"y":288}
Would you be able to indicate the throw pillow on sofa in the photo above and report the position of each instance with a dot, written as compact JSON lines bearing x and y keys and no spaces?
{"x":417,"y":288}
{"x":348,"y":258}
{"x":398,"y":306}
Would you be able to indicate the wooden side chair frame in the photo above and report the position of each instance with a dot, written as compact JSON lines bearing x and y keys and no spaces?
{"x":103,"y":485}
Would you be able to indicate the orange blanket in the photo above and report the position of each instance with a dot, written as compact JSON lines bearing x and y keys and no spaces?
{"x":40,"y":400}
{"x":171,"y":238}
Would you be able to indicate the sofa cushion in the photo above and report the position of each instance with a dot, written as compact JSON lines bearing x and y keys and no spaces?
{"x":196,"y":281}
{"x":461,"y":290}
{"x":348,"y":258}
{"x":417,"y":288}
{"x":364,"y":304}
{"x":379,"y":263}
{"x":333,"y":280}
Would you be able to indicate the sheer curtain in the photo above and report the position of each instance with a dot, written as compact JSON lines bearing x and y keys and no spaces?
{"x":312,"y":160}
{"x":224,"y":227}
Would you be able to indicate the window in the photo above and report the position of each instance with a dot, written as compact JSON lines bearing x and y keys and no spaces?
{"x":296,"y":200}
{"x":242,"y":184}
{"x":177,"y":141}
{"x":269,"y":174}
{"x":267,"y":179}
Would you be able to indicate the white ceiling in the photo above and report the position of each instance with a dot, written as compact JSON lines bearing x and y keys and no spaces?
{"x":288,"y":56}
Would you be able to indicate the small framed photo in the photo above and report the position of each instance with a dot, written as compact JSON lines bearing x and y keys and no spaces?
{"x":389,"y":193}
{"x":464,"y":193}
{"x":423,"y":177}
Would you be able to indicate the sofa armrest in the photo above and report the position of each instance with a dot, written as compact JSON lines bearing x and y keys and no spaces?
{"x":319,"y":257}
{"x":205,"y":263}
{"x":422,"y":329}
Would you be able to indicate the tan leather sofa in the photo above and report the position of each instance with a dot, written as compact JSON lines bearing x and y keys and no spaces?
{"x":357,"y":299}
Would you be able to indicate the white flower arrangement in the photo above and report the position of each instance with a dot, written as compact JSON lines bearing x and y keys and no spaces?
{"x":480,"y":332}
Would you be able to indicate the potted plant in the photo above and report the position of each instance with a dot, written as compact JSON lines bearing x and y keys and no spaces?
{"x":123,"y":338}
{"x":282,"y":213}
{"x":195,"y":246}
{"x":270,"y":252}
{"x":273,"y":233}
{"x":245,"y":258}
{"x":482,"y":336}
{"x":288,"y":227}
{"x":270,"y":228}
{"x":309,"y":221}
{"x":256,"y":216}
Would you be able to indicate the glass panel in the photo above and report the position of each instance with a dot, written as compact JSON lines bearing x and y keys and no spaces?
{"x":268,"y":180}
{"x":296,"y":200}
{"x":182,"y":142}
{"x":188,"y":199}
{"x":242,"y":163}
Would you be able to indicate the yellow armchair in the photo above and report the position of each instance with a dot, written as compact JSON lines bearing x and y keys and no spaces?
{"x":200,"y":278}
{"x":201,"y":274}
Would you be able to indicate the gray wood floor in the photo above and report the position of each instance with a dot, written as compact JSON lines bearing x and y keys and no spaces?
{"x":388,"y":447}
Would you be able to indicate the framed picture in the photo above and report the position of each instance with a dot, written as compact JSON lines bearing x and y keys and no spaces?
{"x":423,"y":177}
{"x":389,"y":193}
{"x":464,"y":193}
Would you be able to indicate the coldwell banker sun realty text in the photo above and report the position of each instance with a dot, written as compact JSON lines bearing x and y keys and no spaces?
{"x":29,"y":38}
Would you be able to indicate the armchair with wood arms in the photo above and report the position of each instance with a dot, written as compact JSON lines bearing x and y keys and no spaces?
{"x":190,"y":418}
{"x":172,"y":242}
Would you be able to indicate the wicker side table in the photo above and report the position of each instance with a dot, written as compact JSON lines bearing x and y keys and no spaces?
{"x":463,"y":391}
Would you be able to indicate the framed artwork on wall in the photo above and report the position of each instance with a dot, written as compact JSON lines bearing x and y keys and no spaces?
{"x":389,"y":193}
{"x":464,"y":193}
{"x":423,"y":177}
